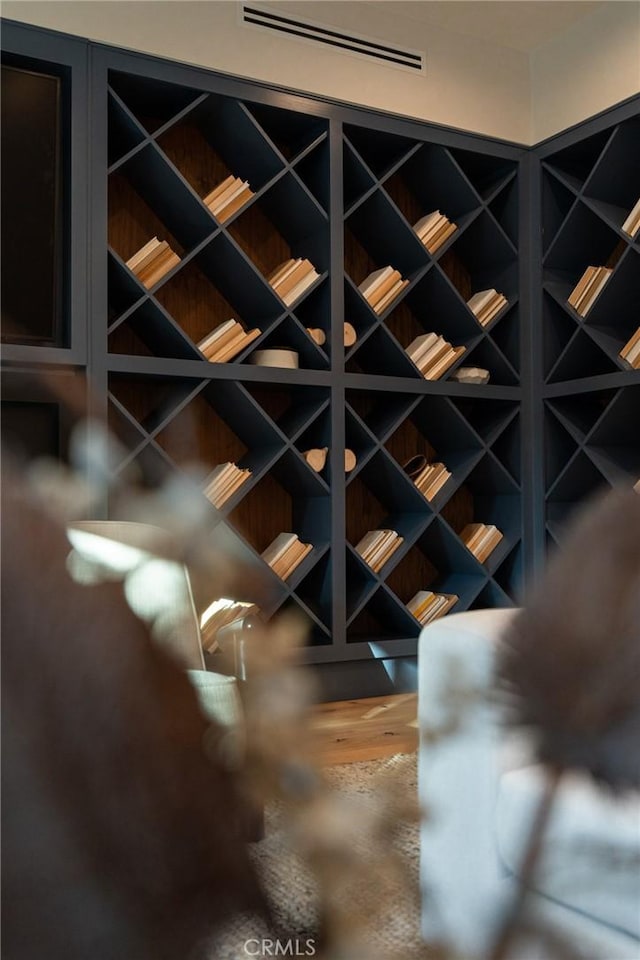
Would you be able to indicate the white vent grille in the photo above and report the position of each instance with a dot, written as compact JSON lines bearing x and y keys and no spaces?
{"x":386,"y":54}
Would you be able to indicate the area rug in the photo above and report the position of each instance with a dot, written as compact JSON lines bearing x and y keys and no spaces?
{"x":391,"y":907}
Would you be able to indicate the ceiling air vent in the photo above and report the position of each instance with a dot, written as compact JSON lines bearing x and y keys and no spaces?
{"x":339,"y":40}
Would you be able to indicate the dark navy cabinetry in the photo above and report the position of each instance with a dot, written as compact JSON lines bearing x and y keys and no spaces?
{"x":342,"y":187}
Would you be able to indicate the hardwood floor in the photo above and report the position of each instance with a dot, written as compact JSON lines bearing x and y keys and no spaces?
{"x":347,"y":731}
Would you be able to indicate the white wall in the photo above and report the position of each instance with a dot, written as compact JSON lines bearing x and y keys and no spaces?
{"x":586,"y":69}
{"x":469,"y":84}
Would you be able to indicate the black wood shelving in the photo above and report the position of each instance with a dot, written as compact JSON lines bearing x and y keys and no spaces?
{"x":342,"y":187}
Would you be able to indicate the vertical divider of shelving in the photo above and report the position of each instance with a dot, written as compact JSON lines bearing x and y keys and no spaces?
{"x":80,"y":213}
{"x":338,"y":498}
{"x":97,"y":299}
{"x":531,"y":363}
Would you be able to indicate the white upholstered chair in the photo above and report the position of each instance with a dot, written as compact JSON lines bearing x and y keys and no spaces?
{"x":479,"y":786}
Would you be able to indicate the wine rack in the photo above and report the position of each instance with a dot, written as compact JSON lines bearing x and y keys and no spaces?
{"x":342,"y":189}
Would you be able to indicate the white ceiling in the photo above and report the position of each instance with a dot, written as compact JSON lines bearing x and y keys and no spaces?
{"x":520,"y":24}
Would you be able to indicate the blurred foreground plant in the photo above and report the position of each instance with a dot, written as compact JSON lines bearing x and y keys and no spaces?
{"x":277,"y":695}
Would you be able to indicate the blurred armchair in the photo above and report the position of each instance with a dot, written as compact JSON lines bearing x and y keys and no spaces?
{"x":479,"y":786}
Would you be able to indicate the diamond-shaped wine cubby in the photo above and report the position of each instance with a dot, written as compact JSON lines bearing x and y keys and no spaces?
{"x":510,"y":577}
{"x":492,"y":596}
{"x":573,"y":164}
{"x":604,"y":425}
{"x":148,"y":330}
{"x":125,"y":132}
{"x":124,"y":290}
{"x":490,"y":496}
{"x":483,"y":257}
{"x":560,"y":446}
{"x":148,"y":197}
{"x":612,"y":188}
{"x":381,"y":496}
{"x":560,"y":353}
{"x":199,"y":297}
{"x":497,"y":353}
{"x":314,"y":598}
{"x":416,"y":571}
{"x":504,"y":339}
{"x":294,"y":133}
{"x":385,"y":618}
{"x":557,"y":201}
{"x":579,"y":480}
{"x":378,"y":152}
{"x":439,"y":561}
{"x":581,"y":357}
{"x":311,"y":167}
{"x":435,"y":431}
{"x":593,"y":346}
{"x":430,"y":180}
{"x":583,"y":239}
{"x":314,"y":445}
{"x":376,"y":235}
{"x":298,"y":503}
{"x":504,"y":209}
{"x":436,"y":306}
{"x":295,"y":409}
{"x":613,"y":443}
{"x":580,"y":413}
{"x":285,"y":221}
{"x":614,"y":316}
{"x":358,"y":438}
{"x":372,"y":416}
{"x":488,"y":175}
{"x":358,"y":180}
{"x":591,"y":445}
{"x":308,"y":343}
{"x":376,"y":239}
{"x":488,"y":417}
{"x":497,"y":424}
{"x":312,"y":316}
{"x":152,"y":103}
{"x":217,"y":139}
{"x":378,"y":351}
